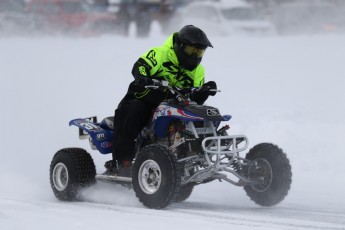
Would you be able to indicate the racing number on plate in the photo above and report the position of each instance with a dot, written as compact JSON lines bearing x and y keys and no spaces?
{"x":89,"y":126}
{"x":212,"y":112}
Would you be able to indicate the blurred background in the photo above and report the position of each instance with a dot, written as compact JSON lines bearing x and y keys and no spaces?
{"x":222,"y":17}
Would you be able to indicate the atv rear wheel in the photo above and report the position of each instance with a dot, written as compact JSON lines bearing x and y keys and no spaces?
{"x":156,"y":176}
{"x":71,"y":170}
{"x":272,"y":171}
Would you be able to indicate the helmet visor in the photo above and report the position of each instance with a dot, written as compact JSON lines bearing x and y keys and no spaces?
{"x":193,"y":51}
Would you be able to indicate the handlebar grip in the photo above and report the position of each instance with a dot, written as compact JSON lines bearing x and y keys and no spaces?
{"x":157,"y":83}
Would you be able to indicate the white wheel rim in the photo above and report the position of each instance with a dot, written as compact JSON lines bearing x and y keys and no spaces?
{"x":60,"y":176}
{"x":150,"y":177}
{"x":267,"y":180}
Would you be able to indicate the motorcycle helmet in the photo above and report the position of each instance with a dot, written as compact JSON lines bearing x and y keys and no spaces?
{"x":190,"y":44}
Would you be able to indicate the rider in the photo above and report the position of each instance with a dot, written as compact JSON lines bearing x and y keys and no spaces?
{"x":178,"y":63}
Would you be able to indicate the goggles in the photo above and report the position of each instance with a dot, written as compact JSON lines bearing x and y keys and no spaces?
{"x":193,"y":51}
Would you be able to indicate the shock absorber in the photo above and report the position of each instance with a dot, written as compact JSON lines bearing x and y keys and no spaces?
{"x":236,"y":166}
{"x":171,"y":134}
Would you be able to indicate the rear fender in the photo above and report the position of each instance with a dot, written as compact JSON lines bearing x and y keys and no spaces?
{"x":88,"y":127}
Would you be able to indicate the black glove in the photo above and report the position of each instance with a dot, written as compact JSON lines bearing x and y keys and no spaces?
{"x":207,"y":87}
{"x":143,"y":81}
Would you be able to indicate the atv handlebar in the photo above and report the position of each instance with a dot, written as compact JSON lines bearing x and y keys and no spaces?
{"x":165,"y":84}
{"x":181,"y":94}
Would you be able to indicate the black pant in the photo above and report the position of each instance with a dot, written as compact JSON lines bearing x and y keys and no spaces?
{"x":130,"y":118}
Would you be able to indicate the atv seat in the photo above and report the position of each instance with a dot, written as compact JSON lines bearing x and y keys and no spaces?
{"x":107,"y":123}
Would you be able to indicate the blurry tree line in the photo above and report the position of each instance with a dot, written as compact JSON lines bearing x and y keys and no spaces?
{"x":92,"y":17}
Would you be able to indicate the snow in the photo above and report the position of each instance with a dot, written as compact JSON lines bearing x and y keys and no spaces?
{"x":284,"y":90}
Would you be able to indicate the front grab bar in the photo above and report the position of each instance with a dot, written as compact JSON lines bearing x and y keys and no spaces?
{"x":218,"y":145}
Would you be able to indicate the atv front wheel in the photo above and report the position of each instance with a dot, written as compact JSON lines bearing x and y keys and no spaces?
{"x":184,"y":193}
{"x":156,"y":176}
{"x":71,"y":170}
{"x":272,"y":172}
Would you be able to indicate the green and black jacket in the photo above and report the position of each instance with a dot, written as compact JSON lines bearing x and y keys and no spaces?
{"x":161,"y":63}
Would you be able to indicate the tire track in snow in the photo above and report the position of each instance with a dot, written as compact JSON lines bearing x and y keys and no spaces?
{"x":202,"y":213}
{"x":275,"y":217}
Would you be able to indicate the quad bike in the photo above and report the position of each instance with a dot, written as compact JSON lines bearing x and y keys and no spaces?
{"x":182,"y":146}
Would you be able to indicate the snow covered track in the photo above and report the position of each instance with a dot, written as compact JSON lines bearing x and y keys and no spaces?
{"x":18,"y":214}
{"x":266,"y":218}
{"x":284,"y":90}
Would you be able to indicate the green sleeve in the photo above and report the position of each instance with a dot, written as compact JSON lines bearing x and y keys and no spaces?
{"x":153,"y":58}
{"x":199,"y":76}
